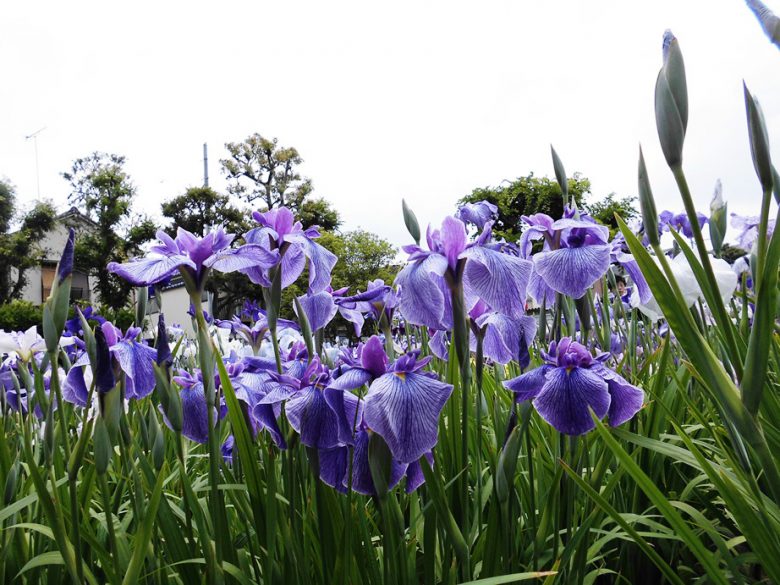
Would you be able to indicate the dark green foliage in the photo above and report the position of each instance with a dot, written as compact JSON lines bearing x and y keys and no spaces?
{"x":20,"y":315}
{"x":526,"y":196}
{"x":102,"y":188}
{"x":20,"y":249}
{"x":731,"y":253}
{"x":201,"y":208}
{"x":363,"y":256}
{"x":604,"y":211}
{"x":260,"y":169}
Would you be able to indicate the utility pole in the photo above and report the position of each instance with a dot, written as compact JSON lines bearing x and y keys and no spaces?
{"x":34,"y":137}
{"x":205,"y":165}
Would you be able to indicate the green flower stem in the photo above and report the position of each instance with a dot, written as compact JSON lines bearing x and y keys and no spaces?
{"x":104,"y":493}
{"x":719,"y":309}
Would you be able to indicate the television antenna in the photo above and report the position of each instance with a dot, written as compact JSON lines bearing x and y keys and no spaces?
{"x":34,"y":137}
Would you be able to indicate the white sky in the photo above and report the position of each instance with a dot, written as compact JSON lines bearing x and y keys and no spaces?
{"x":422,"y":100}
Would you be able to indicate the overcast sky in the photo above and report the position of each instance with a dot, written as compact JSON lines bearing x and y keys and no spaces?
{"x":420,"y":100}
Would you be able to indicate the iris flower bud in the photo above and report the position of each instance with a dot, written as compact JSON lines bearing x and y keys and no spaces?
{"x":671,"y":101}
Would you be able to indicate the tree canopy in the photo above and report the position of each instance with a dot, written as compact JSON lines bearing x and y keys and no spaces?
{"x":200,"y":208}
{"x":20,"y":249}
{"x":525,"y":196}
{"x":103,"y":189}
{"x":259,"y":169}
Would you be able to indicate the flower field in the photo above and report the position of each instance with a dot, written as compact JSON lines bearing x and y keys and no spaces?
{"x":513,"y":412}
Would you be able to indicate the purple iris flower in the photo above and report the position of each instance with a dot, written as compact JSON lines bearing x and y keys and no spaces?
{"x":619,"y":255}
{"x":206,"y":315}
{"x":680,"y":222}
{"x":748,"y":230}
{"x":319,"y":308}
{"x":377,"y":300}
{"x":195,"y":413}
{"x":477,"y":214}
{"x":280,"y":232}
{"x":90,"y":313}
{"x":132,"y":357}
{"x":570,"y":383}
{"x":504,"y":338}
{"x":193,"y":257}
{"x":307,"y":410}
{"x":425,"y":283}
{"x":403,"y":406}
{"x":255,"y":333}
{"x":575,"y":254}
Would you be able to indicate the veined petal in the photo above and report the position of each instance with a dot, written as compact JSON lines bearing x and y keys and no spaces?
{"x":362,"y":481}
{"x":571,"y":271}
{"x":333,"y":467}
{"x":75,"y":389}
{"x":502,"y":337}
{"x":627,"y":399}
{"x":499,"y":279}
{"x":567,"y":396}
{"x":150,"y":270}
{"x":423,"y":291}
{"x":312,"y":418}
{"x":247,"y":256}
{"x":404,"y":409}
{"x":195,"y":422}
{"x":348,"y":410}
{"x":528,"y":385}
{"x":266,"y":416}
{"x":321,"y":262}
{"x":319,"y":308}
{"x":351,"y":379}
{"x":539,"y":290}
{"x":136,"y":361}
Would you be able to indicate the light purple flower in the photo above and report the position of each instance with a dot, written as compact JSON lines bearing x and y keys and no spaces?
{"x":477,"y":214}
{"x":279,"y":231}
{"x":403,"y":406}
{"x":574,"y":256}
{"x":194,"y":257}
{"x":571,"y":383}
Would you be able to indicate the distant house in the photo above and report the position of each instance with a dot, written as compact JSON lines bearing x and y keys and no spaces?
{"x":41,"y":278}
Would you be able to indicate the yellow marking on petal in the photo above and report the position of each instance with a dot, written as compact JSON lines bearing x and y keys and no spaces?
{"x":401,"y":375}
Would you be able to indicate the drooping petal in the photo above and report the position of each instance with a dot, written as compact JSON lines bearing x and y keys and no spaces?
{"x":351,"y":379}
{"x":566,"y":397}
{"x":627,"y":399}
{"x":195,"y":422}
{"x":499,"y":279}
{"x":404,"y":409}
{"x":348,"y":410}
{"x":136,"y":361}
{"x":439,"y":344}
{"x":414,"y":474}
{"x":502,"y":336}
{"x":453,"y":239}
{"x":312,"y":418}
{"x":333,"y":467}
{"x":423,"y":291}
{"x":321,"y":262}
{"x":319,"y":309}
{"x":150,"y":270}
{"x":266,"y":416}
{"x":362,"y":481}
{"x":528,"y":385}
{"x":75,"y":388}
{"x":373,"y":358}
{"x":571,"y":271}
{"x":540,"y":291}
{"x":643,"y":289}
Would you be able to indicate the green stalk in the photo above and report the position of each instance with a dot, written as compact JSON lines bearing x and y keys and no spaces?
{"x":719,"y":309}
{"x":104,"y":493}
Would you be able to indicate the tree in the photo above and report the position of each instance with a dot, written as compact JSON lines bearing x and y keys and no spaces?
{"x":363,"y":256}
{"x":201,"y":208}
{"x":100,"y":185}
{"x":604,"y":211}
{"x":260,"y":169}
{"x":526,"y":196}
{"x":20,"y":250}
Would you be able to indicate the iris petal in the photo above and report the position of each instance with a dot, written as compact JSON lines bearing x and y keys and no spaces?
{"x":150,"y":270}
{"x":571,"y":271}
{"x":423,"y":291}
{"x":312,"y":418}
{"x":136,"y":361}
{"x":566,"y":397}
{"x":499,"y":279}
{"x":528,"y":385}
{"x":404,"y":409}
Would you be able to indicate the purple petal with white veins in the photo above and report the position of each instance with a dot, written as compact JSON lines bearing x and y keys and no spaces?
{"x":567,"y":396}
{"x":74,"y":388}
{"x":539,"y":290}
{"x":571,"y":271}
{"x":312,"y":418}
{"x":267,"y":417}
{"x":453,"y":239}
{"x":439,"y":345}
{"x":348,"y":410}
{"x":333,"y":467}
{"x":643,"y":289}
{"x":627,"y":399}
{"x":249,"y":256}
{"x":195,"y":422}
{"x":150,"y":270}
{"x":319,"y":309}
{"x":351,"y":379}
{"x":353,"y":316}
{"x":136,"y":361}
{"x":528,"y":385}
{"x":502,"y":336}
{"x":362,"y":481}
{"x":499,"y":279}
{"x":404,"y":409}
{"x":414,"y":474}
{"x":321,"y":262}
{"x":423,"y":292}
